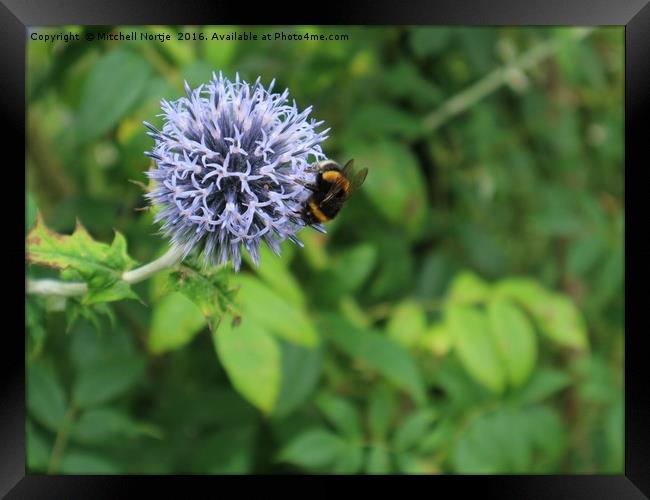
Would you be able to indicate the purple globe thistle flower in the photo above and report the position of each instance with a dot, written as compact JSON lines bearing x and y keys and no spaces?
{"x":232,"y":164}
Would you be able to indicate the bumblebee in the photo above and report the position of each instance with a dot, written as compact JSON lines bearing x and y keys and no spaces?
{"x":334,"y":185}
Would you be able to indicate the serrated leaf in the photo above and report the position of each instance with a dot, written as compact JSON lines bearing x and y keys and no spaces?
{"x":93,"y":313}
{"x":99,"y":264}
{"x":262,"y":305}
{"x":379,"y":352}
{"x":175,"y":322}
{"x":514,"y":338}
{"x":251,"y":358}
{"x":470,"y":332}
{"x":208,"y":289}
{"x":112,"y":87}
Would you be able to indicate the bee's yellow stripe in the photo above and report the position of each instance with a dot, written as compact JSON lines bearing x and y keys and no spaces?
{"x":336,"y":176}
{"x":318,"y":212}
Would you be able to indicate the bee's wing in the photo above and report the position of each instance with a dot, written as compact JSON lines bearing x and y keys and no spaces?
{"x":334,"y":189}
{"x":358,"y":179}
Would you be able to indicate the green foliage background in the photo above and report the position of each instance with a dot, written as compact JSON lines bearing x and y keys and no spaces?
{"x":464,"y":314}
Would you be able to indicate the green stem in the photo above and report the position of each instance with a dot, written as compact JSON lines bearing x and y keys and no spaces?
{"x":61,"y":440}
{"x":68,"y":289}
{"x":497,"y":78}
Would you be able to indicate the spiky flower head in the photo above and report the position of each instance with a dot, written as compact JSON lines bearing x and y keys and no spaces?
{"x":231,"y":164}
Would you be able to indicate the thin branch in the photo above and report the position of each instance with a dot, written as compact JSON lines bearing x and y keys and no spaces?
{"x":67,"y":289}
{"x":502,"y":76}
{"x":61,"y":440}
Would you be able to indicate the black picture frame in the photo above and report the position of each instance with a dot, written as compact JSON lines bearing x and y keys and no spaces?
{"x":17,"y":15}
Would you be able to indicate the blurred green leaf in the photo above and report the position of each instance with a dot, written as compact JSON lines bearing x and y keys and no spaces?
{"x":219,"y":53}
{"x":436,"y":339}
{"x":429,"y":41}
{"x":101,"y":425}
{"x":378,"y":461}
{"x":101,"y":382}
{"x":37,"y":449}
{"x":34,"y":319}
{"x":112,"y":87}
{"x":468,"y":288}
{"x":88,"y":348}
{"x":274,"y":272}
{"x":198,"y":72}
{"x":562,"y":322}
{"x":402,"y":203}
{"x":341,"y":414}
{"x":472,"y":340}
{"x":482,"y":248}
{"x":515,"y":339}
{"x":407,"y":323}
{"x":380,"y":353}
{"x":251,"y":357}
{"x":541,"y":385}
{"x":404,"y":80}
{"x":505,"y":442}
{"x":557,"y":316}
{"x":175,"y":321}
{"x":614,"y":434}
{"x":82,"y":462}
{"x":226,"y":451}
{"x":46,"y":399}
{"x":349,"y":460}
{"x":30,"y":211}
{"x":381,"y":410}
{"x":301,"y":369}
{"x":394,"y":276}
{"x":379,"y":121}
{"x":583,"y":255}
{"x":313,"y":449}
{"x":352,"y":267}
{"x":261,"y":305}
{"x":412,"y":429}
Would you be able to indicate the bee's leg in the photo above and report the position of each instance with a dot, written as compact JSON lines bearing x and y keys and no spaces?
{"x":311,"y":187}
{"x":318,"y":227}
{"x":297,"y":241}
{"x":298,"y":218}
